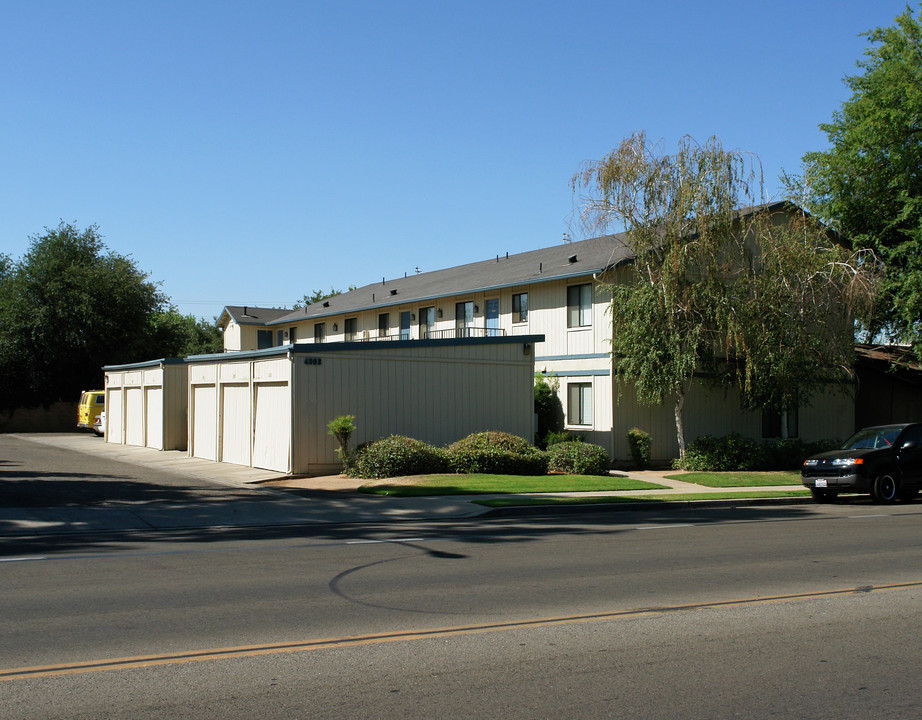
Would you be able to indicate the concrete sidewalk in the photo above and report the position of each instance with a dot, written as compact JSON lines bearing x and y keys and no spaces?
{"x":308,"y":501}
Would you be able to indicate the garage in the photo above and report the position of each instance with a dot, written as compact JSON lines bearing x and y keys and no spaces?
{"x":270,"y":408}
{"x":146,"y":404}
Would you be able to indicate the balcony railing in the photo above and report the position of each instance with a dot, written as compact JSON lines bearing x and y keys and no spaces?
{"x":465,"y":332}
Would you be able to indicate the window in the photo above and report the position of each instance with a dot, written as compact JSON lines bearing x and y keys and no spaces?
{"x":405,"y":325}
{"x":426,"y":322}
{"x":579,"y":305}
{"x":319,"y":332}
{"x":350,"y":327}
{"x":280,"y":337}
{"x":292,"y":334}
{"x":579,"y":403}
{"x":464,"y":318}
{"x":384,"y":324}
{"x":263,"y":339}
{"x":491,"y":317}
{"x":520,"y":308}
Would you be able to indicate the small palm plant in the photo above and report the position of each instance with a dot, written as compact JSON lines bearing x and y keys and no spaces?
{"x":342,"y":428}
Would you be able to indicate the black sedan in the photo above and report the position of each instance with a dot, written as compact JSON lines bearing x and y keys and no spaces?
{"x":885,"y":461}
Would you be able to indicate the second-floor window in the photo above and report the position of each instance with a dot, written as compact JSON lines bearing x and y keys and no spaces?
{"x":520,"y":308}
{"x":384,"y":324}
{"x":464,"y":317}
{"x":350,"y":328}
{"x":319,"y":332}
{"x":579,"y":305}
{"x":263,"y":339}
{"x":426,"y":321}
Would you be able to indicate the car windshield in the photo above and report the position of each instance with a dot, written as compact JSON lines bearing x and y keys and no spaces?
{"x":873,"y":438}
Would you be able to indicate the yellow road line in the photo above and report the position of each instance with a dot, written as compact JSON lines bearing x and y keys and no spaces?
{"x":140,"y":661}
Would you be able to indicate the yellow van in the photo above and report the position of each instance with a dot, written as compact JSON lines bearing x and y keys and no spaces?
{"x":92,"y":402}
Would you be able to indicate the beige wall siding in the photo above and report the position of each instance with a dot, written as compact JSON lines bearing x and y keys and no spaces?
{"x":434,"y":394}
{"x":717,"y":412}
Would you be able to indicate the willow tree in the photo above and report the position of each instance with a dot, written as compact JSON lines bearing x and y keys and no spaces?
{"x":712,"y":289}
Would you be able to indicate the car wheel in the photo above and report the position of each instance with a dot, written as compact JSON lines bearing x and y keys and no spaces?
{"x":908,"y":494}
{"x":824,"y":495}
{"x":885,"y":488}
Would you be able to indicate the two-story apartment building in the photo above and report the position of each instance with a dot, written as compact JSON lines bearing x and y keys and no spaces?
{"x":557,"y":292}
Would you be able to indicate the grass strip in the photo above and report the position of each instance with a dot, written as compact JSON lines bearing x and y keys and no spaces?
{"x":485,"y":484}
{"x":739,"y":479}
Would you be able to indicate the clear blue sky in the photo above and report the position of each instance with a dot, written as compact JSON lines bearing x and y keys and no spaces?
{"x":251,"y":152}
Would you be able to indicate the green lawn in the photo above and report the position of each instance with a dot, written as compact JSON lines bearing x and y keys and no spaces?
{"x":614,"y":499}
{"x":739,"y":479}
{"x":482,"y":484}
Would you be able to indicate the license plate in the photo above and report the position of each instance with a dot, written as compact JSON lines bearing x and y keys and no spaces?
{"x":820,"y":482}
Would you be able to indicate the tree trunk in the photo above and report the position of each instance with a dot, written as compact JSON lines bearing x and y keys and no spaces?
{"x":679,"y":423}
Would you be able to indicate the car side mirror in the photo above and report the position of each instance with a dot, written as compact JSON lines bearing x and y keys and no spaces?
{"x":908,"y":445}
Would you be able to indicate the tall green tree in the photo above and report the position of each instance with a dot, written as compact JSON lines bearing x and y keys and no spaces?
{"x":69,"y":307}
{"x":176,"y":335}
{"x":719,"y":284}
{"x":868,"y":184}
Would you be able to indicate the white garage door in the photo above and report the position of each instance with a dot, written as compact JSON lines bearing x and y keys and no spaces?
{"x":134,"y":416}
{"x":114,"y":417}
{"x":154,"y":407}
{"x":235,"y":424}
{"x":204,"y":437}
{"x":272,"y":440}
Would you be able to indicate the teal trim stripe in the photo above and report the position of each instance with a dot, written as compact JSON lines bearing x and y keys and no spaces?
{"x":587,"y":356}
{"x":580,"y":373}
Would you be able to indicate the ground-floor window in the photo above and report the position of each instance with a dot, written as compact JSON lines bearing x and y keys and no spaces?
{"x":579,"y":403}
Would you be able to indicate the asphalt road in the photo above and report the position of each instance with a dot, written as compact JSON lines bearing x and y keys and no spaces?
{"x":782,"y":611}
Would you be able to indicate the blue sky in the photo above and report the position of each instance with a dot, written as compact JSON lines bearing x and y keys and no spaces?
{"x":252,"y":152}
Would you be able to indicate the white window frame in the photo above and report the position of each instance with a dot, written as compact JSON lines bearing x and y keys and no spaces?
{"x":579,"y":305}
{"x":579,"y":403}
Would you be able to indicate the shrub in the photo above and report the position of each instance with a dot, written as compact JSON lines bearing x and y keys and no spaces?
{"x":790,"y":453}
{"x":397,"y":455}
{"x":578,"y":458}
{"x":639,"y":443}
{"x":553,"y":437}
{"x":496,"y":452}
{"x":731,"y":452}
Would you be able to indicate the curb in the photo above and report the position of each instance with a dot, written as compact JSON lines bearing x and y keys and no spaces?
{"x":644,"y":505}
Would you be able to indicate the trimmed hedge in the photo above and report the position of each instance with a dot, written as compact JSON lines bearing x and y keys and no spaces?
{"x":737,"y":453}
{"x":578,"y":458}
{"x":395,"y":456}
{"x":498,"y":453}
{"x":639,"y":442}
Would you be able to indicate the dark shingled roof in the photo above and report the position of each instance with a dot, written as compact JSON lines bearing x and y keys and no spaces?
{"x":246,"y":315}
{"x":554,"y":263}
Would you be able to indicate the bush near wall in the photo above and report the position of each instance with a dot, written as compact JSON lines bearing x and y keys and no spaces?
{"x":578,"y":458}
{"x":737,"y":453}
{"x":395,"y":456}
{"x":497,"y":452}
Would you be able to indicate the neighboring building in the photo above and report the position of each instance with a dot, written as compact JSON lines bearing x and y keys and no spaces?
{"x":557,"y":292}
{"x":889,"y":385}
{"x":245,"y":328}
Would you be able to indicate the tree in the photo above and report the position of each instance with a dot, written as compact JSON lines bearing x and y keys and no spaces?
{"x":177,"y":335}
{"x":318,"y":296}
{"x":70,"y":307}
{"x":717,"y":286}
{"x":868,"y":184}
